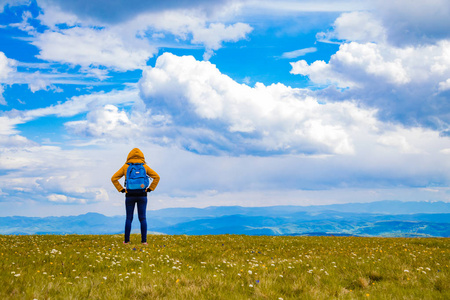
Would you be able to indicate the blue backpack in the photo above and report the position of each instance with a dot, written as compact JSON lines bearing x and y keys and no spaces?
{"x":136,"y":178}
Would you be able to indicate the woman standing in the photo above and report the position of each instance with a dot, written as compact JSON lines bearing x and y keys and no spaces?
{"x":135,"y":197}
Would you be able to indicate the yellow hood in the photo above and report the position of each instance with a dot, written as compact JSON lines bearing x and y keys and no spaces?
{"x":136,"y":156}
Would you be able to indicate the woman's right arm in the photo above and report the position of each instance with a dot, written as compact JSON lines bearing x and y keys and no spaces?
{"x":115,"y":179}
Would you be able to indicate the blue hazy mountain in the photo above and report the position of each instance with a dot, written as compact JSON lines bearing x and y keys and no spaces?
{"x":90,"y":223}
{"x":384,"y":218}
{"x":379,"y":207}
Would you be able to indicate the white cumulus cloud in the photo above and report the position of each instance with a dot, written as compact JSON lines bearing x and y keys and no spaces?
{"x":403,"y":83}
{"x":51,"y":174}
{"x":91,"y":47}
{"x":6,"y":68}
{"x":358,"y":26}
{"x":264,"y":118}
{"x":192,"y":26}
{"x":126,"y":42}
{"x":413,"y":22}
{"x":358,"y":64}
{"x":215,"y":34}
{"x":209,"y":112}
{"x":444,"y":85}
{"x":107,"y":121}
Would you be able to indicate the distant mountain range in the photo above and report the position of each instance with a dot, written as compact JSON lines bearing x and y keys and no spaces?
{"x":383,"y":218}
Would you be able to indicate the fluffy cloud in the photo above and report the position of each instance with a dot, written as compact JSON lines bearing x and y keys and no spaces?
{"x":265,"y":119}
{"x":400,"y":23}
{"x":356,"y":26}
{"x":58,"y":189}
{"x":414,"y":22}
{"x":123,"y":43}
{"x":6,"y":68}
{"x":108,"y":121}
{"x":90,"y":47}
{"x":216,"y":33}
{"x":211,"y":113}
{"x":37,"y":82}
{"x":101,"y":108}
{"x":444,"y":85}
{"x":394,"y":58}
{"x":52,"y":15}
{"x":193,"y":26}
{"x":47,"y":172}
{"x":9,"y":135}
{"x":403,"y":83}
{"x":358,"y":64}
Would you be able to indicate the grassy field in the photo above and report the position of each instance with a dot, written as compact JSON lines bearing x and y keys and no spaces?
{"x":223,"y":267}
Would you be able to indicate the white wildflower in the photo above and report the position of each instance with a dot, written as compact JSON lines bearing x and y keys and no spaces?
{"x":54,"y":251}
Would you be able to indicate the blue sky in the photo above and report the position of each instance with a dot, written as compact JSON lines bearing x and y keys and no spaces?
{"x":250,"y":103}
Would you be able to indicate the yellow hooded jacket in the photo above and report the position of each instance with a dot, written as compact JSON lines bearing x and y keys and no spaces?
{"x":135,"y":156}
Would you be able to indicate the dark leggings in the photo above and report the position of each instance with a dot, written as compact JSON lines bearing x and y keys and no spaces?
{"x":130,"y":202}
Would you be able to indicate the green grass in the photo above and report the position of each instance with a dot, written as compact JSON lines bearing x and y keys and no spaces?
{"x":223,"y":267}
